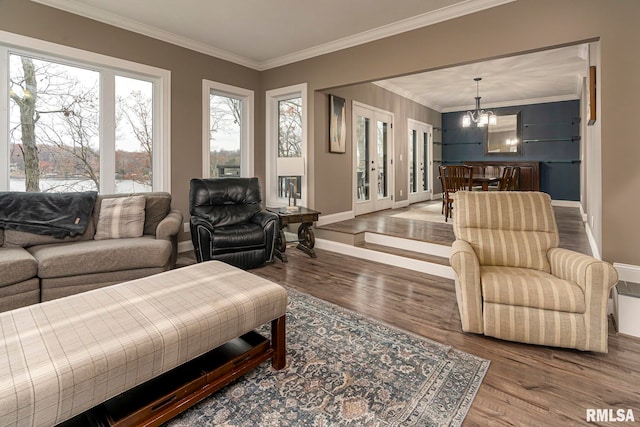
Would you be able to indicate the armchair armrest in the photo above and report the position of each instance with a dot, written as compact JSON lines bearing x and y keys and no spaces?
{"x":169,"y":226}
{"x":596,"y":278}
{"x":591,"y":274}
{"x":464,"y":262}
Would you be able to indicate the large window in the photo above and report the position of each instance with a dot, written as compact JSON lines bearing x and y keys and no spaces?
{"x":75,"y":123}
{"x":286,"y":139}
{"x":228,"y":130}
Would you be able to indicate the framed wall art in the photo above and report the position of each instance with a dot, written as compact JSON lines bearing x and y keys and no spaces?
{"x":337,"y":124}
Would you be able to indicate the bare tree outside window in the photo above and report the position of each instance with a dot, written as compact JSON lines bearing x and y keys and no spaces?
{"x":289,"y":138}
{"x":54,"y":133}
{"x":54,"y":120}
{"x":134,"y":135}
{"x":225,"y":126}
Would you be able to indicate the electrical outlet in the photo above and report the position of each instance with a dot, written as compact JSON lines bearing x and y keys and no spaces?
{"x":186,"y":227}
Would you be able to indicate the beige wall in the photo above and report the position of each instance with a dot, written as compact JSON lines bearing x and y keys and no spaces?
{"x":514,"y":28}
{"x":333,"y":172}
{"x":518,"y":27}
{"x":187,"y":67}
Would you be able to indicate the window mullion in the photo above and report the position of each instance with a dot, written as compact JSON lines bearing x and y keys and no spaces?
{"x":107,"y":132}
{"x":4,"y":118}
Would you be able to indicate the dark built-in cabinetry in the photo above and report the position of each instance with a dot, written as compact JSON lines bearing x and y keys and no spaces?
{"x":529,"y":172}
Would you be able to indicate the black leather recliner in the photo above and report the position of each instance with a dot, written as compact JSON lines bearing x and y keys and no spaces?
{"x":229,"y":224}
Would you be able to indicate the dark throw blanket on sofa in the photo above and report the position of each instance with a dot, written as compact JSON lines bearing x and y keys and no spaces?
{"x":54,"y":214}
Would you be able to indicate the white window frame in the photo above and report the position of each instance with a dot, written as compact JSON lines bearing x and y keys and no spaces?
{"x":271,"y":127}
{"x":108,"y":67}
{"x":246,"y":96}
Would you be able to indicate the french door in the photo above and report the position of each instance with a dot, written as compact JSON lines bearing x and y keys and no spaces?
{"x":420,"y":162}
{"x":373,"y":147}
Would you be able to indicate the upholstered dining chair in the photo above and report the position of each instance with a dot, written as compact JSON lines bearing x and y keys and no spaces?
{"x":229,"y":224}
{"x":454,"y":178}
{"x":513,"y":282}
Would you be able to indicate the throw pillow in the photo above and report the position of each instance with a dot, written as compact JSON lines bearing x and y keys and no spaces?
{"x":120,"y":217}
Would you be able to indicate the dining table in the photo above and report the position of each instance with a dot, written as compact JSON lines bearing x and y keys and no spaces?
{"x":485,"y":181}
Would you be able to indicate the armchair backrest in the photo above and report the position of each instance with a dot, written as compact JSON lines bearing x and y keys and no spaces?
{"x":225,"y":201}
{"x":513,"y":229}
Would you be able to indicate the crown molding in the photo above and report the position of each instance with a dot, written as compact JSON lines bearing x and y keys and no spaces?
{"x":430,"y":18}
{"x":513,"y":103}
{"x":406,"y":94}
{"x":77,"y":8}
{"x":419,"y":21}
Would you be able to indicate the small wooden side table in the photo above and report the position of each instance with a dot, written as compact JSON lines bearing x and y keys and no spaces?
{"x":306,"y":238}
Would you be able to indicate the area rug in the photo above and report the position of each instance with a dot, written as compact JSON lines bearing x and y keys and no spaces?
{"x":429,"y":213}
{"x":346,"y":370}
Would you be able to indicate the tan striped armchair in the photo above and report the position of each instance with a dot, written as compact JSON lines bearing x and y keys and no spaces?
{"x":514,"y":283}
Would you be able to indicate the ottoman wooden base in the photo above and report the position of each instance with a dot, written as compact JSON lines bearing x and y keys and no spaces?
{"x":162,"y":398}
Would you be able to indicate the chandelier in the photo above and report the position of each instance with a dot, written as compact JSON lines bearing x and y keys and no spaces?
{"x":480,"y":117}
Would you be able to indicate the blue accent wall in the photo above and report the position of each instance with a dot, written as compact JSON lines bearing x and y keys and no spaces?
{"x":551,"y":136}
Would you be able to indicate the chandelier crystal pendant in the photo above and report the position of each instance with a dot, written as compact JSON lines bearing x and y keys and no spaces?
{"x":480,"y":117}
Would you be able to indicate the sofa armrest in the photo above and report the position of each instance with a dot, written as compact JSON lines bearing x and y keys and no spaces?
{"x":465,"y":264}
{"x":169,"y":226}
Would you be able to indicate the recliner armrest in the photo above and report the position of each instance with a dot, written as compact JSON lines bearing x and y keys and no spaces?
{"x":264,"y":218}
{"x":582,"y":269}
{"x":464,"y":262}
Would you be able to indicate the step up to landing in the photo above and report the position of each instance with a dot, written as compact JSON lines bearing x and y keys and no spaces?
{"x":425,"y":257}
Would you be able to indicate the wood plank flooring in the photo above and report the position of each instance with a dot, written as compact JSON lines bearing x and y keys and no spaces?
{"x":526,"y":385}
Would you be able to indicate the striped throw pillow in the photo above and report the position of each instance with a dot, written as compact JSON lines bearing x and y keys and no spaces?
{"x":120,"y":217}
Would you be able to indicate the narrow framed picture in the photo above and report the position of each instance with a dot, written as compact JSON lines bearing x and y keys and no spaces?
{"x":337,"y":124}
{"x":591,"y":99}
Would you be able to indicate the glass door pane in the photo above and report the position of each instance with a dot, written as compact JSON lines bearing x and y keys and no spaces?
{"x":413,"y":159}
{"x":383,"y":155}
{"x":425,"y":161}
{"x":362,"y":158}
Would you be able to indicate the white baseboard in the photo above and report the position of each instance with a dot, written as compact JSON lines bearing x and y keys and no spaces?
{"x":592,"y":241}
{"x":336,"y":217}
{"x":185,"y":246}
{"x":401,"y":204}
{"x":385,"y":258}
{"x":627,"y":272}
{"x":566,"y":203}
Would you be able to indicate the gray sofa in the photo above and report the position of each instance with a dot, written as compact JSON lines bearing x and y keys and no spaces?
{"x":36,"y":268}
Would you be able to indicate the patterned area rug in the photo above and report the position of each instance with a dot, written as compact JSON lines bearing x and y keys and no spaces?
{"x":430,"y":213}
{"x":346,"y":370}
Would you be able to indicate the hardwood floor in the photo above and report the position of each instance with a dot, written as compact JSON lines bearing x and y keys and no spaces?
{"x":526,"y":384}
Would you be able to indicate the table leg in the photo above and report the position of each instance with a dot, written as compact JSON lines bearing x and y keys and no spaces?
{"x":306,"y":239}
{"x":485,"y":186}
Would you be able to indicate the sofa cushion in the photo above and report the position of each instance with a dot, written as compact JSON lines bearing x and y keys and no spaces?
{"x":16,"y":265}
{"x":121,"y":217}
{"x":157,"y":207}
{"x":100,"y":256}
{"x":15,"y":238}
{"x":530,"y":288}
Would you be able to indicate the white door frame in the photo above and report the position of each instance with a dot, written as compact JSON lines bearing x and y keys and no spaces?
{"x":420,"y":195}
{"x":374,"y":114}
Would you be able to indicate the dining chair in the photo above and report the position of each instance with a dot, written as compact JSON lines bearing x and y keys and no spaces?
{"x":514,"y":182}
{"x":454,"y":178}
{"x":505,"y":180}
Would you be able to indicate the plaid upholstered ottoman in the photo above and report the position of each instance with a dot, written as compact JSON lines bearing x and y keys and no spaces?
{"x":60,"y":358}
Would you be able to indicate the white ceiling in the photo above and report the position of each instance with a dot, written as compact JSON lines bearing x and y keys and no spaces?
{"x":265,"y":34}
{"x":546,"y":76}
